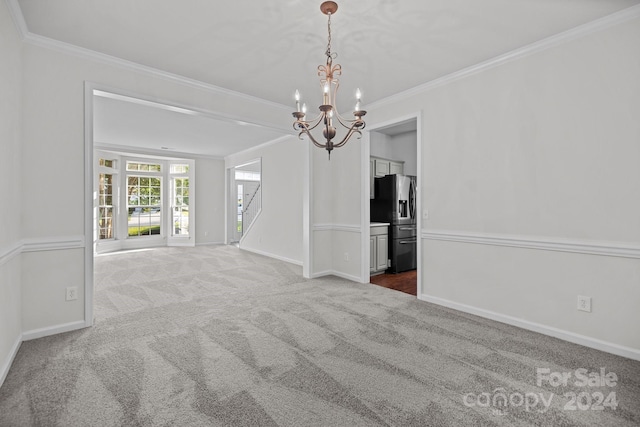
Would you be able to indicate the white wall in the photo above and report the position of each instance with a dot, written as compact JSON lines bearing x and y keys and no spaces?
{"x":277,"y":231}
{"x":405,"y":147}
{"x":53,"y":171}
{"x":209,"y":201}
{"x":541,"y":148}
{"x":10,"y":194}
{"x":380,"y":145}
{"x":336,"y":211}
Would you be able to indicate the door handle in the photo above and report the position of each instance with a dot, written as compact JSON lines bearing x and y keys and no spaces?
{"x":407,"y":242}
{"x":407,"y":228}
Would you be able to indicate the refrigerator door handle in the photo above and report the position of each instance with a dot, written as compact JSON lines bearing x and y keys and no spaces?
{"x":412,"y":200}
{"x":407,"y":228}
{"x":407,"y":242}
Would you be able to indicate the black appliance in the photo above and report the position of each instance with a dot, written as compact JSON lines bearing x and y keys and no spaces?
{"x":395,"y":203}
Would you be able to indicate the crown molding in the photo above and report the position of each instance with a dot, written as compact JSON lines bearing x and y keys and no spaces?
{"x":601,"y":248}
{"x":166,"y":154}
{"x":67,"y":48}
{"x":530,"y":49}
{"x":257,"y":147}
{"x":541,"y":45}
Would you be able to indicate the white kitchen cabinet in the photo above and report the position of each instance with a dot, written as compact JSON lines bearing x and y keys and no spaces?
{"x":381,"y":167}
{"x":379,"y":246}
{"x":396,"y":168}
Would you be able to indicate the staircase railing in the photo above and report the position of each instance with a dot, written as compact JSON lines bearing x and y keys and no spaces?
{"x":251,"y":209}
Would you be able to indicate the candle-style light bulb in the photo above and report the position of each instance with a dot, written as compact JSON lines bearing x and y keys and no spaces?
{"x":297,"y":97}
{"x":304,"y":109}
{"x":358,"y":100}
{"x":325,"y":90}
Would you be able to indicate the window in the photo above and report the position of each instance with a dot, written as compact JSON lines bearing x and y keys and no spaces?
{"x":142,"y":201}
{"x":107,"y":174}
{"x":108,"y":163}
{"x":144,"y":197}
{"x":180,"y":206}
{"x":105,"y":206}
{"x":144,"y":167}
{"x":247,"y":176}
{"x":178,"y":168}
{"x":179,"y":199}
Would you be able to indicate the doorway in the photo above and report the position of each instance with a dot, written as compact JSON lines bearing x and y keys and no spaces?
{"x":245,"y":198}
{"x":394,"y":149}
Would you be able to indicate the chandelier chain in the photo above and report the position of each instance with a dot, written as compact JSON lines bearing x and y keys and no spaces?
{"x":328,"y":53}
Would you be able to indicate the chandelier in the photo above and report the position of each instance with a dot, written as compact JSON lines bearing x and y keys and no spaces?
{"x":328,"y":111}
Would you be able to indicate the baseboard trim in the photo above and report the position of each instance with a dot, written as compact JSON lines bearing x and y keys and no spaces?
{"x":572,"y":337}
{"x":602,"y":248}
{"x":4,"y":370}
{"x":336,"y":273}
{"x":53,"y":330}
{"x":270,"y":255}
{"x":210,"y":244}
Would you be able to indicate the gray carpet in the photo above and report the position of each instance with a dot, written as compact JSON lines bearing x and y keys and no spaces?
{"x":214,"y":336}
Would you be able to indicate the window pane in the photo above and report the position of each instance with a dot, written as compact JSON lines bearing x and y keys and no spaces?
{"x":180,"y":207}
{"x":144,"y":221}
{"x":151,"y":167}
{"x":106,"y":163}
{"x":179,"y":168}
{"x":105,"y":207}
{"x":144,"y":205}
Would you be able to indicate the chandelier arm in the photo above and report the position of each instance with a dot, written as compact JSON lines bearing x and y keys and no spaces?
{"x":348,"y":136}
{"x":310,"y":135}
{"x":312,"y":124}
{"x":308,"y":124}
{"x":345,"y":122}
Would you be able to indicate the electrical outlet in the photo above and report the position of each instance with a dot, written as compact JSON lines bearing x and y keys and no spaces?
{"x":206,"y":233}
{"x":584,"y":303}
{"x":72,"y":293}
{"x":346,"y":256}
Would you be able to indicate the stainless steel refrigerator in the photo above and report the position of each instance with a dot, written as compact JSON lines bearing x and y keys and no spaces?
{"x":395,"y":203}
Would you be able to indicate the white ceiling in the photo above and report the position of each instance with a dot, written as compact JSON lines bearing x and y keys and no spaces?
{"x":122,"y":123}
{"x":269,"y":48}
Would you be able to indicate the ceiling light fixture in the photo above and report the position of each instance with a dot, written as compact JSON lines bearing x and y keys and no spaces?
{"x":328,"y":110}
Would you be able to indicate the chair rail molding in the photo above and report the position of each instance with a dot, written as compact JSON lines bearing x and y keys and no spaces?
{"x":39,"y":244}
{"x":590,"y":247}
{"x":53,"y":243}
{"x":8,"y":253}
{"x":349,"y":228}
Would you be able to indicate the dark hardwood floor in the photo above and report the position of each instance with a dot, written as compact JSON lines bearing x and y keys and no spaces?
{"x":404,"y":282}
